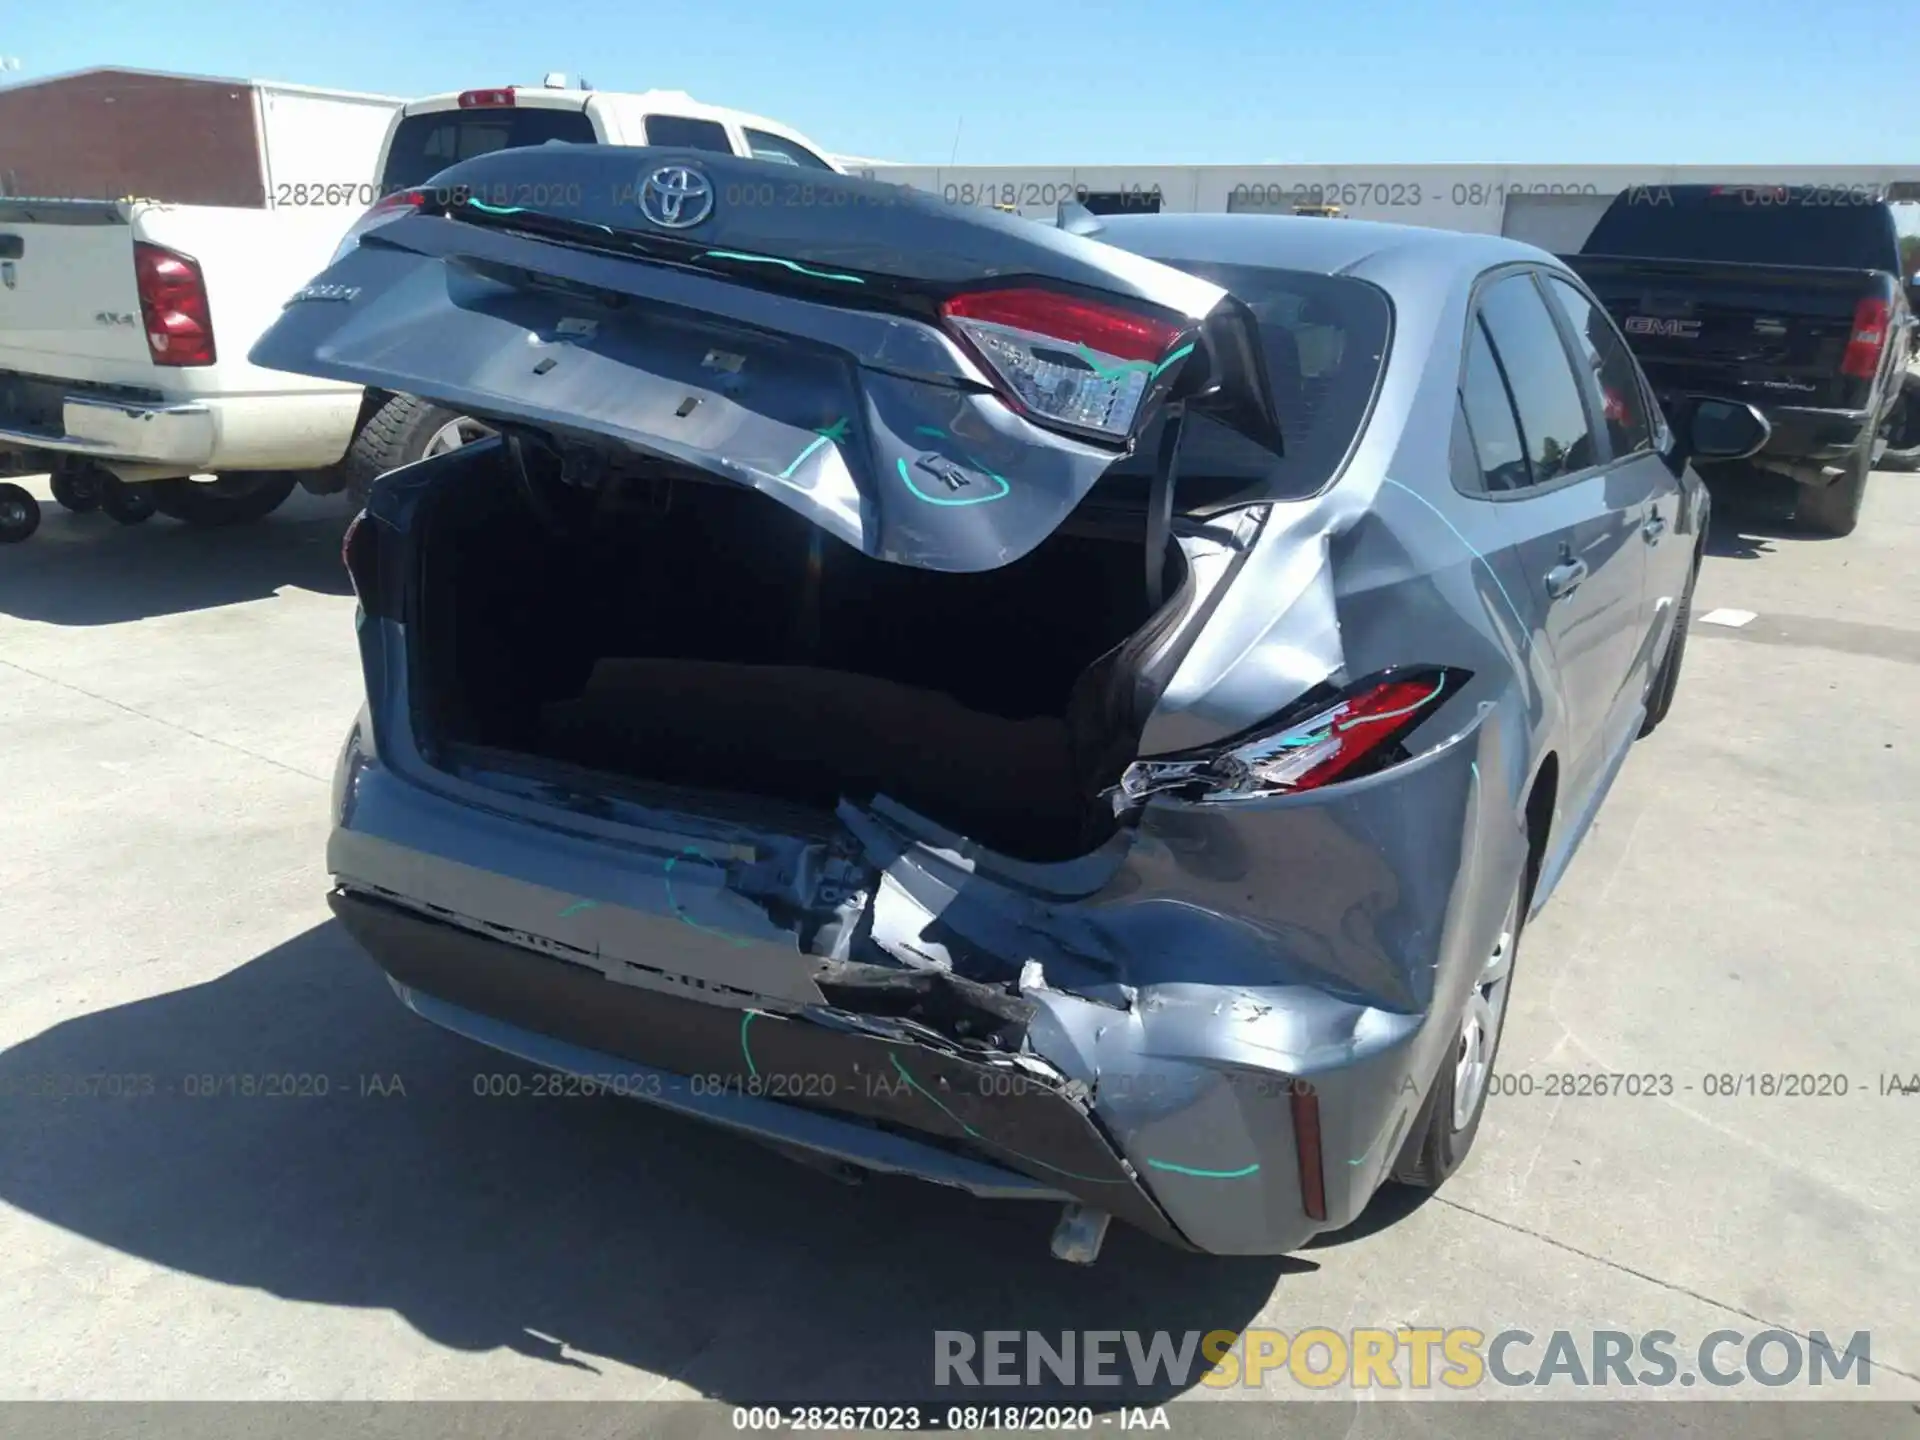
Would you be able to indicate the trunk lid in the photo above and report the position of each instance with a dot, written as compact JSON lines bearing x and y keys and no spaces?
{"x":717,"y":313}
{"x":69,"y":302}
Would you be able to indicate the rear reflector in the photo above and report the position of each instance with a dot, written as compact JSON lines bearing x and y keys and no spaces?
{"x":1871,"y":319}
{"x":481,"y":99}
{"x":173,"y":304}
{"x":1306,"y":1144}
{"x":1062,"y":359}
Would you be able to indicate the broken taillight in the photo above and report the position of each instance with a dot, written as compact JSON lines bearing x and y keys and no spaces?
{"x":1871,"y":318}
{"x":1062,"y":359}
{"x":1326,"y":737}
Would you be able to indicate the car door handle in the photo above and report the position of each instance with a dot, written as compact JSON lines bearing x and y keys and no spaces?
{"x":1655,"y":527}
{"x":1564,"y":578}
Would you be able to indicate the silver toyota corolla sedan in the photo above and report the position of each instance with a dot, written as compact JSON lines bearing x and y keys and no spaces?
{"x":1078,"y":713}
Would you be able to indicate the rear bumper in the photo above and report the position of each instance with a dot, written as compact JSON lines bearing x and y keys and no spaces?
{"x":294,"y":431}
{"x":1814,"y":436}
{"x":1166,"y":1099}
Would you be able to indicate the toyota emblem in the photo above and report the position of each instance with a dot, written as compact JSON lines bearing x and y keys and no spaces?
{"x":676,"y":197}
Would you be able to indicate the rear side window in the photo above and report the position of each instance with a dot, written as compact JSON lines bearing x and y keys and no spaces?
{"x":685,"y":133}
{"x":1546,"y":397}
{"x":1822,"y":226}
{"x":1487,"y":406}
{"x":1325,"y":338}
{"x":781,"y":151}
{"x":424,"y":145}
{"x":1629,"y":428}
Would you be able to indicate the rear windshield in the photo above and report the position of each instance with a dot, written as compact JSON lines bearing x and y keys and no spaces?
{"x":424,"y":145}
{"x":1325,"y":338}
{"x":1829,"y":227}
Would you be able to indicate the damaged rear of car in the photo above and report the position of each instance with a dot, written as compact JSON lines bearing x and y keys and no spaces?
{"x":827,"y":707}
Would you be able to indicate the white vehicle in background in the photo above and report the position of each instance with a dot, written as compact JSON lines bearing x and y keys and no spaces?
{"x":125,"y":324}
{"x":430,"y":134}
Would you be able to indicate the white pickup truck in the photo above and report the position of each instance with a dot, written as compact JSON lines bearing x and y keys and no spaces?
{"x":125,"y":325}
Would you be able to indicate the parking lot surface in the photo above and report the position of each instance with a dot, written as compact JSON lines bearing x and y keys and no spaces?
{"x":170,"y":704}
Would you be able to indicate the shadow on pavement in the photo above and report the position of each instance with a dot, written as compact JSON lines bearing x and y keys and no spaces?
{"x":562,"y":1228}
{"x":88,"y":570}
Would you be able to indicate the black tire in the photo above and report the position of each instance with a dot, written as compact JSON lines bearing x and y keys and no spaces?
{"x":128,"y":504}
{"x":1667,"y":681}
{"x":396,"y":434}
{"x":238,"y":498}
{"x":76,"y":488}
{"x":1903,"y":427}
{"x":1835,"y":509}
{"x":1435,"y":1145}
{"x":19,"y":514}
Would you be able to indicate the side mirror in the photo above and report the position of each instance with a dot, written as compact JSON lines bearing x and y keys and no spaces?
{"x":1710,"y":429}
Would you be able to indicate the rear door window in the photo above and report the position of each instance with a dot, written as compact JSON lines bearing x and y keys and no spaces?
{"x":686,"y":133}
{"x":1487,"y":406}
{"x":1547,"y":398}
{"x":782,"y":151}
{"x":424,"y":145}
{"x":1623,"y":403}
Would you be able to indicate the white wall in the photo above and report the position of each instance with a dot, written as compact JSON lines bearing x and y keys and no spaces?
{"x":328,"y":143}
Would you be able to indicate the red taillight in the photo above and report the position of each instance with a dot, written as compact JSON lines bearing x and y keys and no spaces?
{"x":1314,"y":743}
{"x":173,"y":305}
{"x":381,"y":212}
{"x":1062,"y":359}
{"x":1306,"y":1147}
{"x":1103,"y":328}
{"x":481,"y":99}
{"x":1871,"y":319}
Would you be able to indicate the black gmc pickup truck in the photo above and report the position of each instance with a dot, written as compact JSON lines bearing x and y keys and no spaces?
{"x":1789,"y":298}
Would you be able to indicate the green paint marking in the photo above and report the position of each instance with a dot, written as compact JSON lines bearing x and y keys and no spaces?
{"x":1240,"y":1174}
{"x":934,"y":430}
{"x":920,"y":1089}
{"x":498,"y":209}
{"x":792,"y":265}
{"x":672,"y":901}
{"x":745,"y":1052}
{"x":920,"y":494}
{"x":830,"y":435}
{"x":1125,"y":367}
{"x":577,"y":907}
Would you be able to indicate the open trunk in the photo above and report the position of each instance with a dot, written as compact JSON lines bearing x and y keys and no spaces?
{"x":674,"y":630}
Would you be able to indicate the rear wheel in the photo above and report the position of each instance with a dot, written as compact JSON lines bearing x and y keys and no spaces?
{"x":76,"y":488}
{"x":19,"y":514}
{"x":232,"y":499}
{"x":1903,"y":427}
{"x":1835,"y":509}
{"x":404,"y":430}
{"x":127,"y":504}
{"x":1443,"y":1131}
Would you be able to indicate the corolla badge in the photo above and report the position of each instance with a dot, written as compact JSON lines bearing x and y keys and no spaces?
{"x":676,"y":197}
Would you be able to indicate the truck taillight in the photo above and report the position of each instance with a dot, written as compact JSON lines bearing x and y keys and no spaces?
{"x":483,"y":99}
{"x":1871,"y":319}
{"x":173,"y":305}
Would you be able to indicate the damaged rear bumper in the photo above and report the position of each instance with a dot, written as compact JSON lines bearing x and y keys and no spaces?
{"x":1156,"y":1011}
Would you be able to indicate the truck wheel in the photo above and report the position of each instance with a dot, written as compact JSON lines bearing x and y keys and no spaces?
{"x":19,"y":514}
{"x":76,"y":488}
{"x":403,"y":430}
{"x":237,"y":498}
{"x":1835,"y":509}
{"x":128,"y":504}
{"x":1903,"y":427}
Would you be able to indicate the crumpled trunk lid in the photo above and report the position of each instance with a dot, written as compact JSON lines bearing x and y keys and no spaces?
{"x":789,"y":340}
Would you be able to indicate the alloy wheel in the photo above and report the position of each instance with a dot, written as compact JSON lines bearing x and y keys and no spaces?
{"x":1480,"y":1026}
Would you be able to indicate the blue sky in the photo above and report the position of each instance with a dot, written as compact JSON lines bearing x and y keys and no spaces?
{"x":1070,"y":82}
